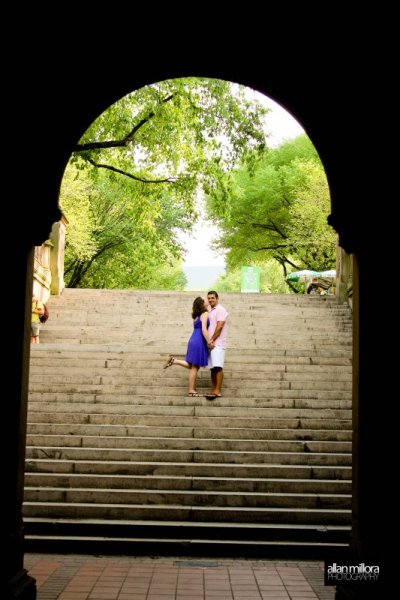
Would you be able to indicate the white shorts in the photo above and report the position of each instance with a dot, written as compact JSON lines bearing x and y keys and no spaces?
{"x":216,"y":358}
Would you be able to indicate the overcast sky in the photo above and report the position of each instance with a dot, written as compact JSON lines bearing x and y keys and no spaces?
{"x":282,"y":126}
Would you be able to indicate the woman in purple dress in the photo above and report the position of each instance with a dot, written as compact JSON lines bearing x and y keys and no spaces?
{"x":197,"y":350}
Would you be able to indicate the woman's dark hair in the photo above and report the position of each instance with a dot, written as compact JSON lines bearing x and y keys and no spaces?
{"x":198,"y":307}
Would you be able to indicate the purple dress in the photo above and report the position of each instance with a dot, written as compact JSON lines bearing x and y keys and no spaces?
{"x":197,"y":351}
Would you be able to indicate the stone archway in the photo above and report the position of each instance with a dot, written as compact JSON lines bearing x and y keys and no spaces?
{"x":316,"y":103}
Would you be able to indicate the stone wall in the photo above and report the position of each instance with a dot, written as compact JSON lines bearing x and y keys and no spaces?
{"x":344,"y":277}
{"x":48,"y":268}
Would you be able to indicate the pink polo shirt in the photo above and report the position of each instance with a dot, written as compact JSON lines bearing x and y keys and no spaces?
{"x":218,"y":314}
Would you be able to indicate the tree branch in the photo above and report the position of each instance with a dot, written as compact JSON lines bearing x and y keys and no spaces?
{"x":115,"y":170}
{"x":287,"y":260}
{"x":271,"y":227}
{"x":274,"y":247}
{"x":126,"y":140}
{"x":82,"y":267}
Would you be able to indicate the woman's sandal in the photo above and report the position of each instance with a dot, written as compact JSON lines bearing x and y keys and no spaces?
{"x":169,"y":362}
{"x":194,"y":394}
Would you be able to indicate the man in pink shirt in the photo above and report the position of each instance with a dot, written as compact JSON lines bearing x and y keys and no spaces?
{"x":218,"y":333}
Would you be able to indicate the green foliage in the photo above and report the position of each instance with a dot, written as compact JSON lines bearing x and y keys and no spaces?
{"x":135,"y":267}
{"x":314,"y":240}
{"x":185,"y":131}
{"x":132,"y":182}
{"x":120,"y":227}
{"x":277,"y":211}
{"x":75,"y":202}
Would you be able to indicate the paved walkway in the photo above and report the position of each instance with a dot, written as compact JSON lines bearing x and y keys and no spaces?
{"x":78,"y":577}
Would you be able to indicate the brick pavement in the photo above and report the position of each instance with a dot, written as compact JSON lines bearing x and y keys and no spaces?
{"x":81,"y":577}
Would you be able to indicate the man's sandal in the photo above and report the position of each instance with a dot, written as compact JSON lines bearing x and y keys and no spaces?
{"x":169,"y":362}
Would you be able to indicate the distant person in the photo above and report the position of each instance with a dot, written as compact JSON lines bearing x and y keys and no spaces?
{"x":198,"y":345}
{"x":312,"y":286}
{"x":218,"y":335}
{"x":37,"y":311}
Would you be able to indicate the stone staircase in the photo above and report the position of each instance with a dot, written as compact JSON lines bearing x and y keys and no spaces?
{"x":119,"y":458}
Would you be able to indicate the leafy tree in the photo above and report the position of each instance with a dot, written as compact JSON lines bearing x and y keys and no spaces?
{"x":137,"y":267}
{"x":140,"y":166}
{"x":277,"y":211}
{"x":112,"y":229}
{"x":177,"y":131}
{"x":75,"y":202}
{"x":307,"y":230}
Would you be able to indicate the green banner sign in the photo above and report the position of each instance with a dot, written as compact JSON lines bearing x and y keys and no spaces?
{"x":250,"y":279}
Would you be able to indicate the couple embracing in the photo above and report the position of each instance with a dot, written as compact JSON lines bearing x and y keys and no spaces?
{"x":207,"y":344}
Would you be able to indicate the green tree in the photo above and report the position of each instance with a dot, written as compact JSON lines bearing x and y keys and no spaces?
{"x":137,"y":267}
{"x":314,"y":241}
{"x":276,"y":211}
{"x":119,"y":231}
{"x":180,"y":131}
{"x":146,"y":157}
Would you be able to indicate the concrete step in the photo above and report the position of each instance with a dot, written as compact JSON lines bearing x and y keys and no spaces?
{"x":166,"y":482}
{"x":185,"y":400}
{"x":274,"y":381}
{"x":72,"y":355}
{"x":72,"y":429}
{"x":182,"y":455}
{"x":187,"y":498}
{"x":207,"y":409}
{"x":128,"y":352}
{"x":88,"y":392}
{"x":178,"y":443}
{"x":321,"y":516}
{"x":124,"y":328}
{"x":161,"y":343}
{"x":111,"y":418}
{"x":115,"y":443}
{"x":262,"y":367}
{"x":192,"y":469}
{"x":180,"y":538}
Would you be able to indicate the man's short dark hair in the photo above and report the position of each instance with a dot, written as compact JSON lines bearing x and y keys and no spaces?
{"x":213,"y":292}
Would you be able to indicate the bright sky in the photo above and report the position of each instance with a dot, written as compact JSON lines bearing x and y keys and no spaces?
{"x":281,"y":126}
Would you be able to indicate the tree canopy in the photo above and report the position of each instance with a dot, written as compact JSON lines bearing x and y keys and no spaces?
{"x":277,"y":211}
{"x":116,"y":237}
{"x":133,"y":179}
